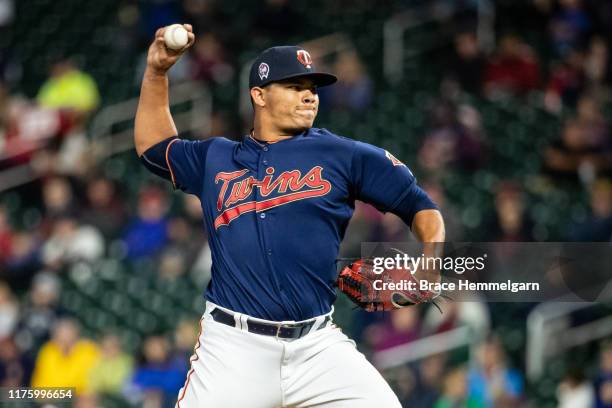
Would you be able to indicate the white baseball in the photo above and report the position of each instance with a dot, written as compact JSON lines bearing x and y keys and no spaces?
{"x":175,"y":37}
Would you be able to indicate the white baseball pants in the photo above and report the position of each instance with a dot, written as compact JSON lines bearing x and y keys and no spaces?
{"x":232,"y":368}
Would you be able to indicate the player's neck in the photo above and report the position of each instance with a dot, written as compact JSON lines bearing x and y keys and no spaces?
{"x":268,"y":135}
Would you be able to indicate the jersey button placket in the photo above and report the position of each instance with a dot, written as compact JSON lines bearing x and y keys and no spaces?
{"x":261,"y":173}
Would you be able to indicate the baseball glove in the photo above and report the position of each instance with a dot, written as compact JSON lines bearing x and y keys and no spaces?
{"x":392,"y":291}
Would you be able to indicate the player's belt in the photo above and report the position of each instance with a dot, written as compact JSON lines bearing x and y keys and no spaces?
{"x":280,"y":330}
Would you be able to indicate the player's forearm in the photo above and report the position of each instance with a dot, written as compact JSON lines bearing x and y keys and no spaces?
{"x":153,"y":119}
{"x":428,"y":227}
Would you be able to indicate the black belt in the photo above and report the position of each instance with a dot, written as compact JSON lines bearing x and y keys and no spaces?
{"x":280,"y":330}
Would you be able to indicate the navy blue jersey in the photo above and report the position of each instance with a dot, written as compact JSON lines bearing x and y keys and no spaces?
{"x":275,"y":213}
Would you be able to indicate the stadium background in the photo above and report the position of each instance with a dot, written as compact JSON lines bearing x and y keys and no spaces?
{"x":501,"y":108}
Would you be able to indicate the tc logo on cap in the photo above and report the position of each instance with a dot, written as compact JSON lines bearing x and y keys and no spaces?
{"x":264,"y":70}
{"x":304,"y":57}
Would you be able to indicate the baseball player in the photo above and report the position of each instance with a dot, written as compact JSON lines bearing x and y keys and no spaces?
{"x":276,"y":205}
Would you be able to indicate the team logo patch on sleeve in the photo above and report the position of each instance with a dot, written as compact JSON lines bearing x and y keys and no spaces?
{"x":393,"y":159}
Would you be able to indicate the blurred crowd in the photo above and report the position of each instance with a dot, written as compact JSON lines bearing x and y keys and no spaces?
{"x":75,"y":210}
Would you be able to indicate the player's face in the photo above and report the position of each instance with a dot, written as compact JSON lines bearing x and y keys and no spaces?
{"x":292,"y":104}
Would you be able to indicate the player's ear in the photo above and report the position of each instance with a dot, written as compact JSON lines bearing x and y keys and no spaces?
{"x":257,"y":96}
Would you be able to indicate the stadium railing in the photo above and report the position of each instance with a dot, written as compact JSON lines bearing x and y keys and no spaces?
{"x":550,"y":332}
{"x":191,"y":103}
{"x":428,"y":346}
{"x":395,"y":51}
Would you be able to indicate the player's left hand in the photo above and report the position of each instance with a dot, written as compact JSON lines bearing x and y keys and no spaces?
{"x":358,"y":279}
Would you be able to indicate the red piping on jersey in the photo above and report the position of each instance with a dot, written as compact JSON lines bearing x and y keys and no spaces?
{"x":231,"y":214}
{"x":193,"y":359}
{"x":168,"y":163}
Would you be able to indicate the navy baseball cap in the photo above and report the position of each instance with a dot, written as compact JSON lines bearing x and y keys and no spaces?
{"x":285,"y":62}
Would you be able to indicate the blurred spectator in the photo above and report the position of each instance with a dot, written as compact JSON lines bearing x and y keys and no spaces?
{"x":87,"y":401}
{"x":491,"y":382}
{"x":192,"y":211}
{"x":598,"y":226}
{"x":575,"y":391}
{"x":70,"y":242}
{"x":172,"y":265}
{"x":40,"y":312}
{"x":354,"y":90}
{"x":510,"y":223}
{"x":104,"y":210}
{"x":185,"y":337}
{"x":570,"y":26}
{"x":185,"y":240}
{"x":513,"y":71}
{"x":437,"y":153}
{"x":590,"y":117}
{"x":4,"y":97}
{"x":24,"y":259}
{"x":57,"y":197}
{"x":69,"y":88}
{"x":4,"y":115}
{"x":9,"y":311}
{"x":472,"y":145}
{"x":404,"y":382}
{"x":603,"y":380}
{"x":198,"y":255}
{"x":209,"y":62}
{"x":454,"y":391}
{"x":6,"y":236}
{"x":26,"y":128}
{"x":567,"y":81}
{"x":451,"y":143}
{"x":66,"y":360}
{"x":427,"y":389}
{"x":148,"y":233}
{"x":597,"y":64}
{"x":15,"y":369}
{"x":398,"y":327}
{"x":114,"y":368}
{"x":159,"y":378}
{"x":467,"y":63}
{"x":575,"y":157}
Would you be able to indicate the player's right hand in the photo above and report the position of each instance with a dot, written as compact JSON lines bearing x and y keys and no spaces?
{"x":160,"y":58}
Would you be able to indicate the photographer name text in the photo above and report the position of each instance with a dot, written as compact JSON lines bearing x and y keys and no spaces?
{"x":460,"y":285}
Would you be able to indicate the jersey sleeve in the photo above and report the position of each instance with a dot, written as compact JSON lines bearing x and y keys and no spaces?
{"x":186,"y":161}
{"x":380,"y":179}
